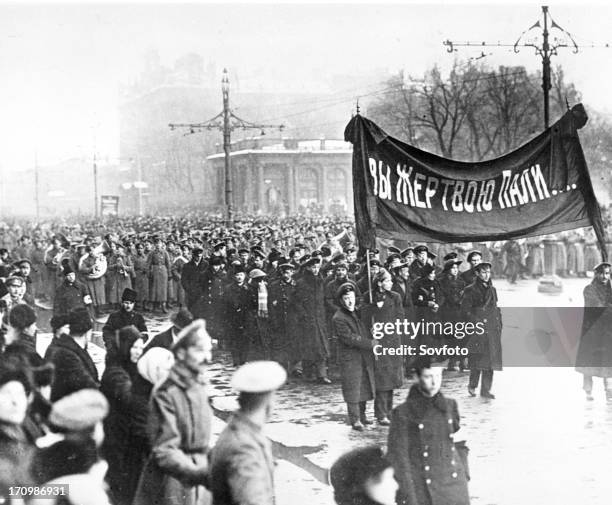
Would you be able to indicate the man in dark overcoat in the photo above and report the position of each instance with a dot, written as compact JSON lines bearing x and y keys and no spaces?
{"x":451,"y":288}
{"x":74,"y":368}
{"x":430,"y":462}
{"x":190,"y":278}
{"x":479,"y":306}
{"x":285,"y":347}
{"x":355,"y":344}
{"x":380,"y":307}
{"x":125,"y":316}
{"x":212,"y":303}
{"x":310,"y":310}
{"x":70,"y":295}
{"x":594,"y":357}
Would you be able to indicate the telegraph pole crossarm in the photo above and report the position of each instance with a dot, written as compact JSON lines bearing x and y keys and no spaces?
{"x":226,"y":121}
{"x":545,"y":49}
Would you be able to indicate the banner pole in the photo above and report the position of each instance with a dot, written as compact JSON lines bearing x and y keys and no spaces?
{"x":369,"y":274}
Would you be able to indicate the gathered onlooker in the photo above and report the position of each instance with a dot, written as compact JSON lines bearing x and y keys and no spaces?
{"x":125,"y":448}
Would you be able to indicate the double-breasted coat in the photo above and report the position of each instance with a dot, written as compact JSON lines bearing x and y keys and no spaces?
{"x":283,"y":324}
{"x":159,"y":268}
{"x":310,"y":310}
{"x":594,"y":356}
{"x":355,"y":355}
{"x":429,"y":467}
{"x":386,"y":307}
{"x":141,"y":276}
{"x":451,"y":289}
{"x":179,"y":430}
{"x":479,"y":306}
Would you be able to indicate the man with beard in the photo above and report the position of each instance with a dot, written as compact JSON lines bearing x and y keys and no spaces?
{"x":451,"y":288}
{"x":125,"y":316}
{"x":237,"y":304}
{"x":177,"y":468}
{"x":479,"y":306}
{"x":594,"y":357}
{"x":430,"y":462}
{"x":70,"y":295}
{"x":310,"y":309}
{"x":191,"y":278}
{"x":474,"y":258}
{"x":242,"y":464}
{"x":355,"y":344}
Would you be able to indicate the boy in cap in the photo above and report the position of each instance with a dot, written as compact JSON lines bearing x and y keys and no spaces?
{"x":125,"y":316}
{"x":242,"y":464}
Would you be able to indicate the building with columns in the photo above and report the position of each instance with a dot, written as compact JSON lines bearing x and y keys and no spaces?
{"x":286,"y":175}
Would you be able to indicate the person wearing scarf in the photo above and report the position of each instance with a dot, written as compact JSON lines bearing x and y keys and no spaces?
{"x":479,"y":306}
{"x":257,"y":316}
{"x":430,"y":462}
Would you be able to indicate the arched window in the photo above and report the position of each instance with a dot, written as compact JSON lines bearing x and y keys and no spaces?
{"x":308,"y":186}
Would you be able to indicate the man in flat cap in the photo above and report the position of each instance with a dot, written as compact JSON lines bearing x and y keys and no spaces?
{"x":242,"y":465}
{"x":451,"y":289}
{"x":479,"y":306}
{"x":125,"y":316}
{"x":594,"y":357}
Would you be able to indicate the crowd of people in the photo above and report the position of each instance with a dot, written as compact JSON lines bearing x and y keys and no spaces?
{"x":292,"y":297}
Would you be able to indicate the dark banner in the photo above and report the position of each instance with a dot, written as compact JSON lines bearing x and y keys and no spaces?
{"x":401,"y":192}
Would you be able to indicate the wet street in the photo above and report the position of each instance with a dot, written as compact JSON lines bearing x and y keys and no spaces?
{"x":538,"y":442}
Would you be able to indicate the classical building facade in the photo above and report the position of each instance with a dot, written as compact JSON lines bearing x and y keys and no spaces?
{"x":286,"y":175}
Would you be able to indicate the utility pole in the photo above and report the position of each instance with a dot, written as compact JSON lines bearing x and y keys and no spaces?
{"x":36,"y":186}
{"x":545,"y":50}
{"x":226,"y":121}
{"x":95,"y":176}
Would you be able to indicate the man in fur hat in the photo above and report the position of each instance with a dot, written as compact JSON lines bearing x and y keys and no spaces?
{"x":125,"y":316}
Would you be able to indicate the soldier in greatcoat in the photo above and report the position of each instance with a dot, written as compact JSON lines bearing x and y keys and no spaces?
{"x":479,"y":306}
{"x":355,"y":344}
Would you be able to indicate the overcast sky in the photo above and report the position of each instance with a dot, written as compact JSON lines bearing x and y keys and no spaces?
{"x":61,"y":64}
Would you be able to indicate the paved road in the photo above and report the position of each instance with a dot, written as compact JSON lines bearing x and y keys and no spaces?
{"x":539,"y":442}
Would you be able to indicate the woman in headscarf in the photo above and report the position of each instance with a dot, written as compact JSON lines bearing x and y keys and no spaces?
{"x":124,"y":451}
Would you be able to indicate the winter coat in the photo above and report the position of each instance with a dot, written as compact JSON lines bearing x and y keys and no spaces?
{"x":429,"y":467}
{"x":594,"y":356}
{"x":310,"y":310}
{"x":179,"y":430}
{"x":355,"y":355}
{"x":479,"y":306}
{"x":242,"y":465}
{"x":115,"y":322}
{"x":283,"y":325}
{"x":69,"y":297}
{"x":191,"y":281}
{"x":74,"y":368}
{"x":389,"y":369}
